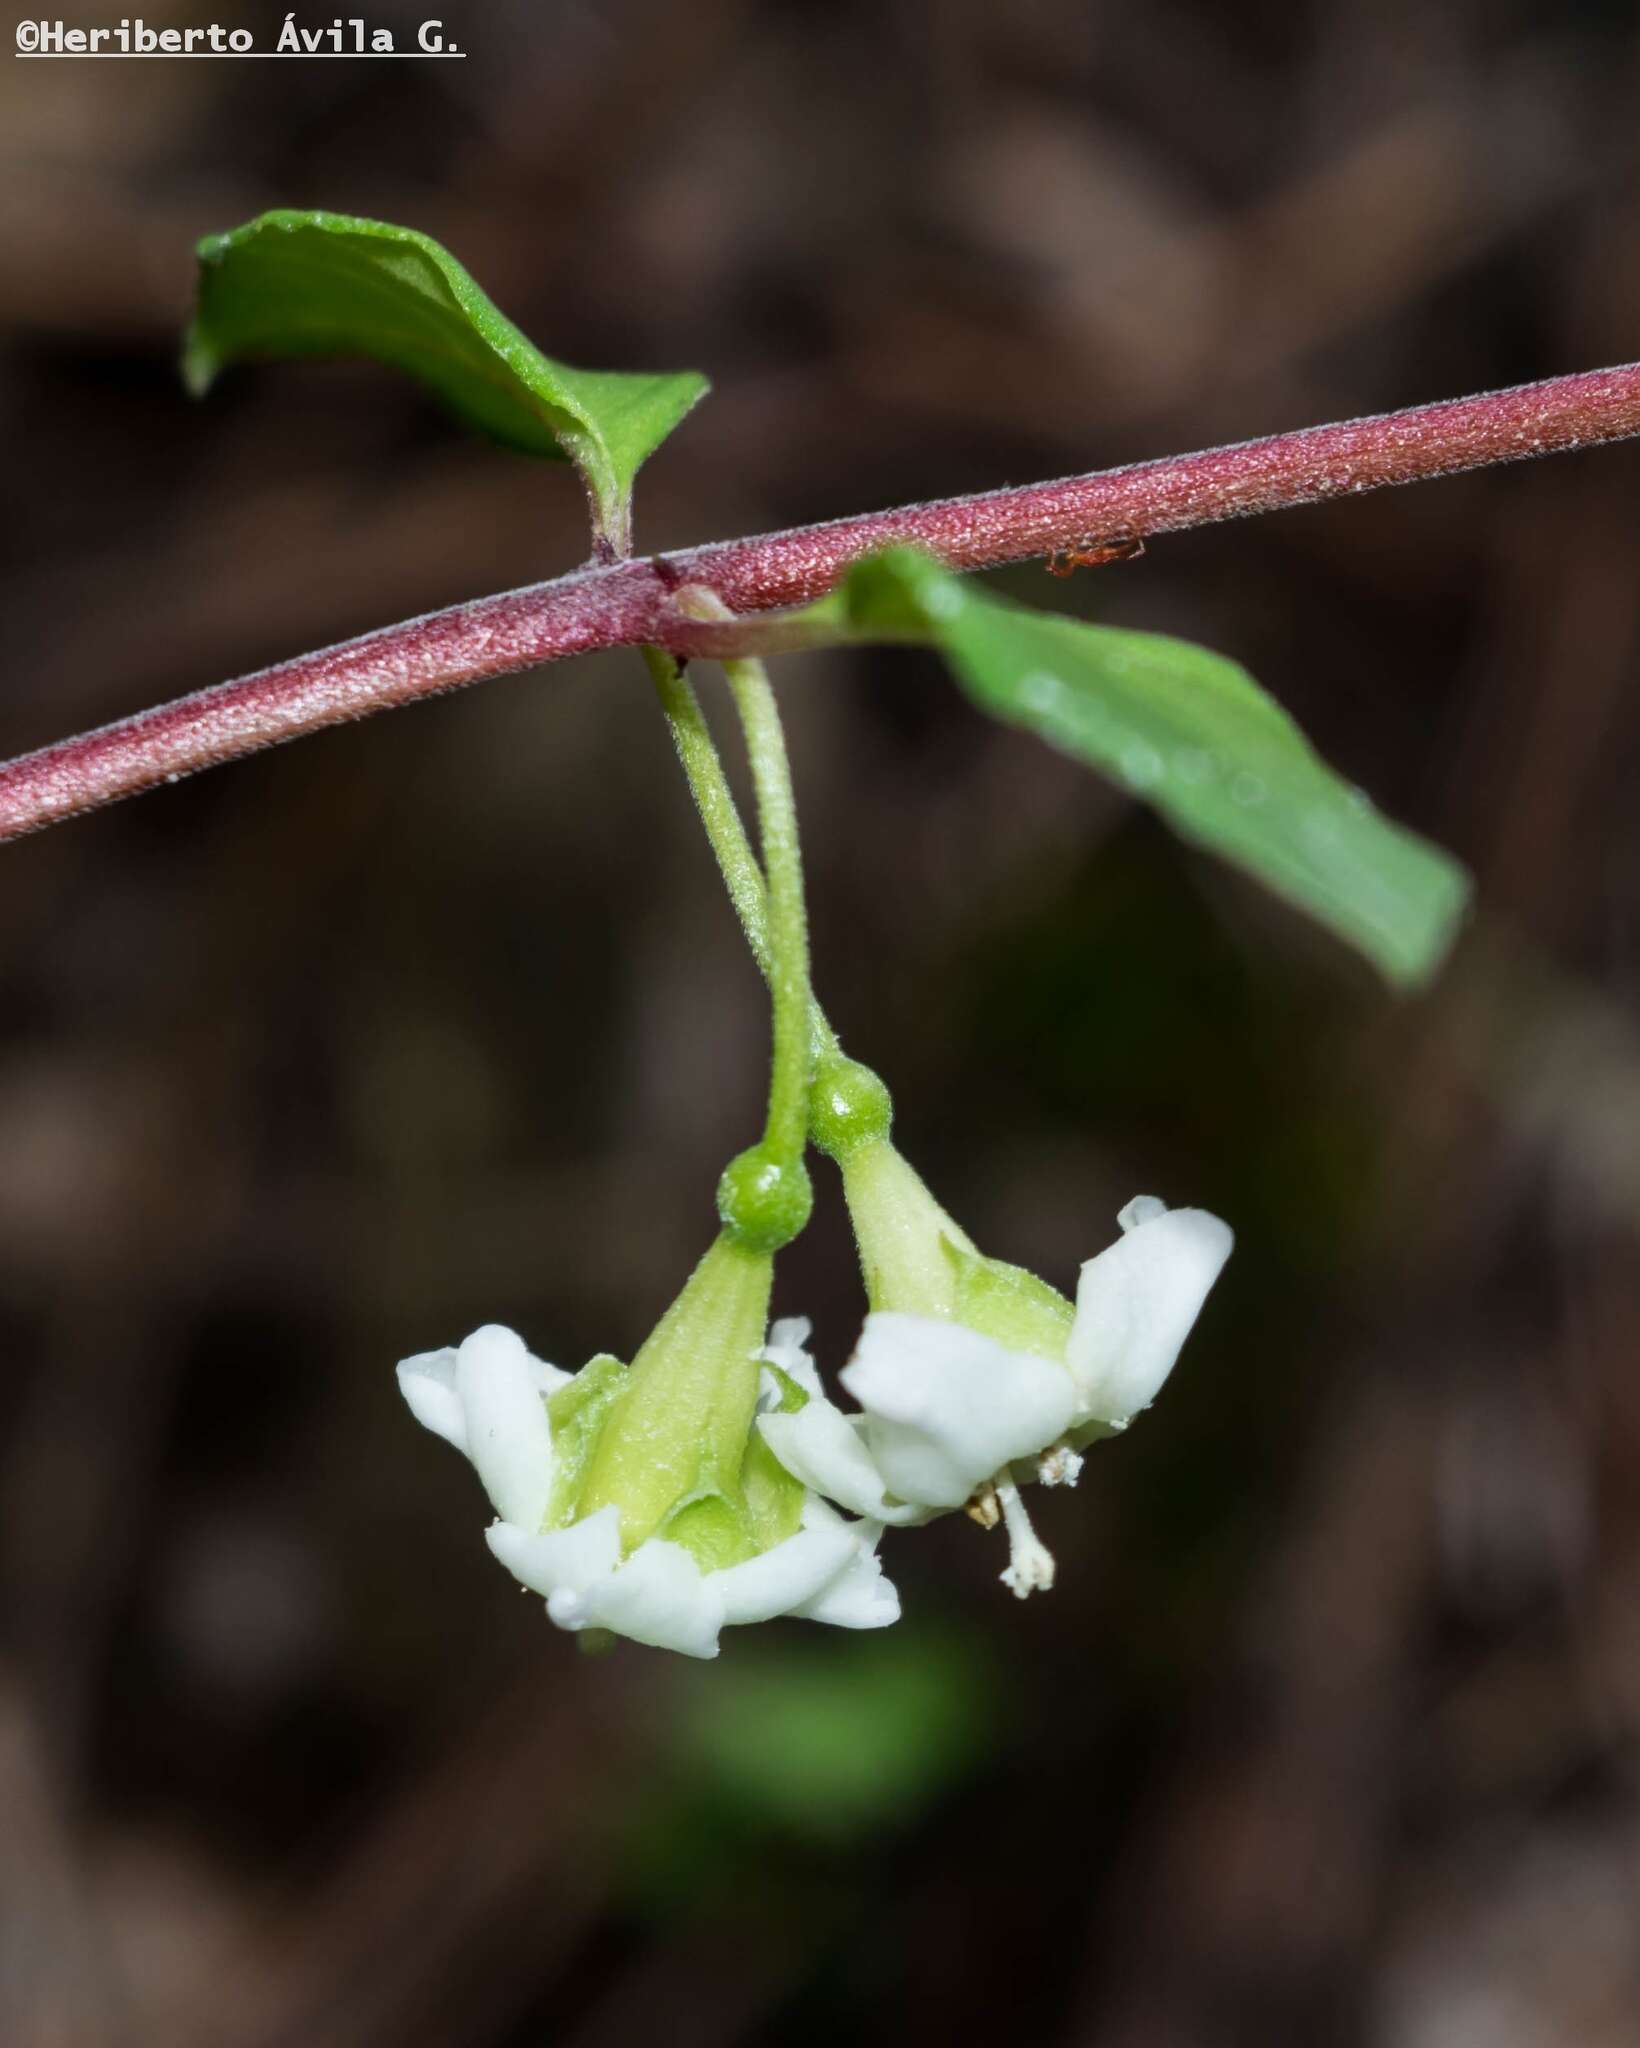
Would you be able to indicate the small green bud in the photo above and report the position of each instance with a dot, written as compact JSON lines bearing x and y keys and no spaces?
{"x":848,"y":1107}
{"x":764,"y":1201}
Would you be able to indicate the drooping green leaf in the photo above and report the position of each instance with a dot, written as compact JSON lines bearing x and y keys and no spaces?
{"x":1190,"y":732}
{"x":325,"y":284}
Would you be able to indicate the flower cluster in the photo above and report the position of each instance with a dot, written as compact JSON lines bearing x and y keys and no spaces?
{"x":700,"y":1487}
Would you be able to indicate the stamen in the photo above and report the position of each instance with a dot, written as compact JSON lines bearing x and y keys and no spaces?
{"x":1059,"y":1465}
{"x":1030,"y":1567}
{"x":983,"y":1507}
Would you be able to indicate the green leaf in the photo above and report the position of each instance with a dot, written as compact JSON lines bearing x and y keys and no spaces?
{"x":1192,"y":733}
{"x":324,"y":284}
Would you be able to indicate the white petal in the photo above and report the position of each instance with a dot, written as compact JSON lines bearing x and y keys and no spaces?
{"x":859,"y":1596}
{"x":1135,"y":1307}
{"x":821,"y":1446}
{"x":658,"y":1597}
{"x":946,"y":1407}
{"x":786,"y":1577}
{"x":569,"y":1559}
{"x":428,"y":1384}
{"x":787,"y":1348}
{"x":508,"y":1436}
{"x":546,"y":1379}
{"x":790,"y":1333}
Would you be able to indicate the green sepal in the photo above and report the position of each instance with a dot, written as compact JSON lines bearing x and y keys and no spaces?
{"x":1010,"y":1305}
{"x":720,"y":1529}
{"x":715,"y":1530}
{"x":918,"y":1261}
{"x":904,"y":1236}
{"x":671,"y":1440}
{"x":774,"y":1499}
{"x":297,"y":283}
{"x":677,"y":1433}
{"x":577,"y":1414}
{"x":793,"y":1398}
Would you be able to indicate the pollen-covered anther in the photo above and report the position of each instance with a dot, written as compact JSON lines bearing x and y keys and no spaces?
{"x":1030,"y":1562}
{"x":984,"y":1508}
{"x":1059,"y":1465}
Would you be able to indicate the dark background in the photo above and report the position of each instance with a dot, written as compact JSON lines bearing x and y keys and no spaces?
{"x":1329,"y":1732}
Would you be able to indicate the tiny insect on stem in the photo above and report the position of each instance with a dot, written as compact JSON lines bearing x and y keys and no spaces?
{"x":1089,"y":553}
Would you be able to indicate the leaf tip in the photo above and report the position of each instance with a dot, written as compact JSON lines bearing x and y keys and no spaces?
{"x":198,"y":363}
{"x":1449,"y":906}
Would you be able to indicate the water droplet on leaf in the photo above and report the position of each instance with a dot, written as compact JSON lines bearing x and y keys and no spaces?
{"x":1040,"y":691}
{"x":1142,"y":766}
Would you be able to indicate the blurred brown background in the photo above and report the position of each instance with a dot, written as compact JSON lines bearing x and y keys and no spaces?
{"x":1330,"y":1732}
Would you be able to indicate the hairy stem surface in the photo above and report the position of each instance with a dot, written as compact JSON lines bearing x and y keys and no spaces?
{"x":631,"y":603}
{"x":714,"y":800}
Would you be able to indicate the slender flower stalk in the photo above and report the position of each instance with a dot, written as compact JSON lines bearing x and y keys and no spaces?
{"x":787,"y":1130}
{"x":714,"y":800}
{"x":720,"y":816}
{"x":764,"y":1196}
{"x":633,"y":603}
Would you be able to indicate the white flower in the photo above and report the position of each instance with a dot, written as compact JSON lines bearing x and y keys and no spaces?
{"x":487,"y":1397}
{"x":948,"y":1414}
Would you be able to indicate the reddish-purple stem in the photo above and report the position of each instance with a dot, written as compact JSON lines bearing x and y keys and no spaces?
{"x":631,"y":602}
